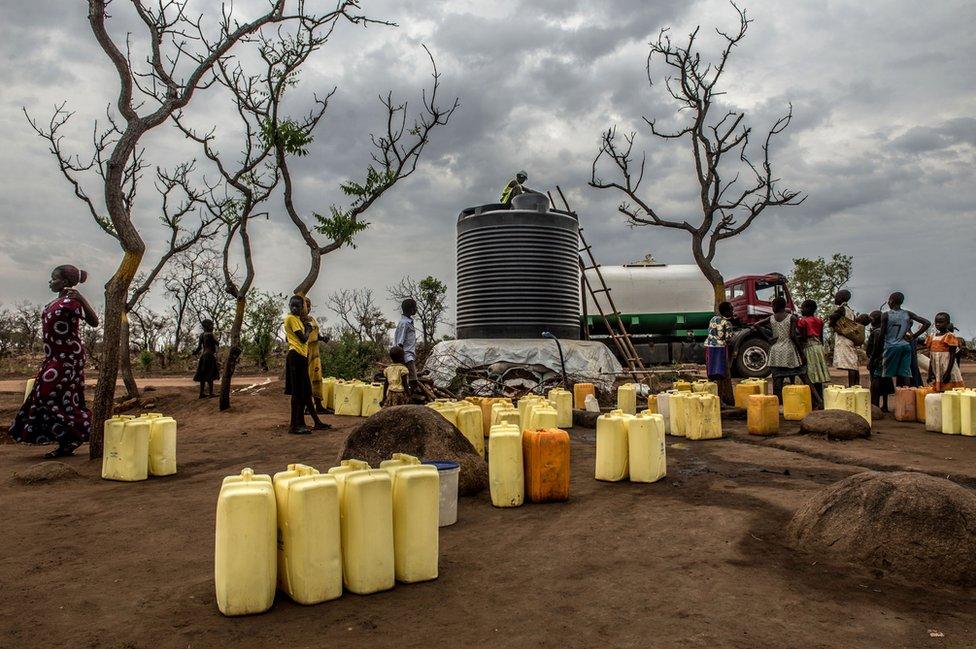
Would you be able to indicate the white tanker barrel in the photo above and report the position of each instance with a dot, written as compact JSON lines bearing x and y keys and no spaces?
{"x":653,"y":300}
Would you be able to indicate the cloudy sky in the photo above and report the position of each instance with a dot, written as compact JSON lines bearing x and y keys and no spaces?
{"x":883,"y":139}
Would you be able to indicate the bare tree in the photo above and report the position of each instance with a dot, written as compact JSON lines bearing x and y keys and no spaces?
{"x":715,"y":139}
{"x":247,"y":182}
{"x":184,"y":279}
{"x":431,"y":296}
{"x":395,"y":155}
{"x":182,"y":52}
{"x":179,"y":199}
{"x":27,"y":322}
{"x":359,"y":314}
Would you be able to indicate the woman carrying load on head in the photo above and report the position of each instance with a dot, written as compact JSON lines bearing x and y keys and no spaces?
{"x":55,"y":410}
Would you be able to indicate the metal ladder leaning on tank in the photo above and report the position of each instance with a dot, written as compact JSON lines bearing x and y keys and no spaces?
{"x":611,"y":320}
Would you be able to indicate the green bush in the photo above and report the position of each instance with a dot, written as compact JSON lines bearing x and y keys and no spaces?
{"x":146,"y":359}
{"x":350,"y":358}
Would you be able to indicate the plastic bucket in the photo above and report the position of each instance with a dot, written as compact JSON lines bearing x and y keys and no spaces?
{"x":448,"y":473}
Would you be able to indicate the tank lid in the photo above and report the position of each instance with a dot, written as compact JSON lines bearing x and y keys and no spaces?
{"x":531,"y":202}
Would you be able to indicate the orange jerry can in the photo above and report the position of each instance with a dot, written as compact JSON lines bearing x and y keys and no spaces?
{"x":580,"y":390}
{"x":545,"y":458}
{"x":920,"y":402}
{"x":904,"y":404}
{"x":762,"y":414}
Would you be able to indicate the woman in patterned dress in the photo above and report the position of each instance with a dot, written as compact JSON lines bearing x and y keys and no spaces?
{"x":55,"y":410}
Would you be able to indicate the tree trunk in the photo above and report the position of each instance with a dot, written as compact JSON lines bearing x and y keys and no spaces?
{"x":125,"y":361}
{"x":233,"y":354}
{"x":314,"y":267}
{"x":116,"y":291}
{"x":711,"y":274}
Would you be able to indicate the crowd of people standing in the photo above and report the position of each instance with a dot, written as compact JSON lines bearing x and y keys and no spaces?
{"x":891,"y":345}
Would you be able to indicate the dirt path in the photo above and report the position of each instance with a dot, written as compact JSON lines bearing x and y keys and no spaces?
{"x":17,"y":385}
{"x":696,"y":560}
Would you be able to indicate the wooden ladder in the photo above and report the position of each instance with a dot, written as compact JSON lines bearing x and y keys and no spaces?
{"x":611,"y":315}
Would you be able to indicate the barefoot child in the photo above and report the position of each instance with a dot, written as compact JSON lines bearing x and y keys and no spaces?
{"x":397,"y":379}
{"x":810,"y":330}
{"x":943,"y":346}
{"x":881,"y":386}
{"x":297,"y":382}
{"x":207,"y":367}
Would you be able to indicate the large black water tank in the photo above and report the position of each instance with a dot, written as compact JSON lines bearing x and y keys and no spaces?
{"x":517,"y":271}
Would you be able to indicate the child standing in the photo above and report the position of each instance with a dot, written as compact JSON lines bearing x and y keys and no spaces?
{"x":406,"y":336}
{"x":810,"y":330}
{"x":944,"y":346}
{"x":208,"y":368}
{"x":784,"y":355}
{"x":896,"y":327}
{"x":397,"y":379}
{"x":297,"y":382}
{"x":881,"y":386}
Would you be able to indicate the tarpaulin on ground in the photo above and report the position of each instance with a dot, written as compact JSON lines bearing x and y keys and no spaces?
{"x":586,"y":360}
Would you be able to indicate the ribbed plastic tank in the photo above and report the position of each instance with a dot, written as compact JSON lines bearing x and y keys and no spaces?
{"x":517,"y":271}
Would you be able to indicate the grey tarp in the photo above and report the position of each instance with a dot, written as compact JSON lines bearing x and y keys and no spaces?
{"x":586,"y":360}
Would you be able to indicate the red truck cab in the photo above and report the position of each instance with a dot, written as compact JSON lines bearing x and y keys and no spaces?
{"x":751,"y":296}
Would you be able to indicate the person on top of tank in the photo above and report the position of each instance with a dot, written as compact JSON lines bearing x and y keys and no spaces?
{"x":55,"y":409}
{"x":514,"y":188}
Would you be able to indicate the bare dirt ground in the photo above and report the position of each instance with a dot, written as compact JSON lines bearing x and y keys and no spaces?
{"x":699,"y":559}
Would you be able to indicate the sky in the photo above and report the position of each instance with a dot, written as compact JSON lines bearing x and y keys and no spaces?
{"x":883,"y":140}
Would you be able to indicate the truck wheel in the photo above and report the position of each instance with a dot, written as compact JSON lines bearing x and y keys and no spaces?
{"x":752,"y":361}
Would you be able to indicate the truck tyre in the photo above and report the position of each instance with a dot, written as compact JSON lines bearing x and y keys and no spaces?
{"x":752,"y":358}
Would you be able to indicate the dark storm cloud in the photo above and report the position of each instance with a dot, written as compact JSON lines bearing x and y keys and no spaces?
{"x":882,"y":137}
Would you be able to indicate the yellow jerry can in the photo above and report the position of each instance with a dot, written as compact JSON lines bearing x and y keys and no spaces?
{"x":372,"y":399}
{"x":704,"y":416}
{"x":797,"y":402}
{"x":678,"y":412}
{"x":348,"y":399}
{"x":525,"y":405}
{"x":398,"y":461}
{"x":543,"y":416}
{"x":744,"y":390}
{"x":328,"y":391}
{"x":612,"y":447}
{"x":952,"y":412}
{"x":469,"y":422}
{"x":309,"y":541}
{"x":506,"y":475}
{"x":416,"y":508}
{"x":245,"y":561}
{"x":366,"y":516}
{"x":681,"y":386}
{"x":646,"y":448}
{"x":162,"y":446}
{"x":563,"y":402}
{"x":834,"y":397}
{"x":708,"y":387}
{"x":627,"y":398}
{"x":967,"y":413}
{"x":762,"y":414}
{"x":125,"y":455}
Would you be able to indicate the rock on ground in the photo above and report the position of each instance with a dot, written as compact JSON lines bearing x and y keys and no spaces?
{"x":835,"y":424}
{"x":419,"y":431}
{"x":909,"y":524}
{"x":45,"y":472}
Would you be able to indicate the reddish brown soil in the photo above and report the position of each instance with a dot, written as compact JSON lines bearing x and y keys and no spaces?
{"x":699,"y":559}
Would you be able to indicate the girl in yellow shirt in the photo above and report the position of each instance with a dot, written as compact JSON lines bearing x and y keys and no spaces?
{"x":297,"y":382}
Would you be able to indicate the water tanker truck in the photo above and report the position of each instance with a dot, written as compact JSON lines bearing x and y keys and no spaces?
{"x":666,"y":308}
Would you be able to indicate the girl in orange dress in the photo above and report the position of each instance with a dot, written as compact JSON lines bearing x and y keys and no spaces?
{"x":943,"y":346}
